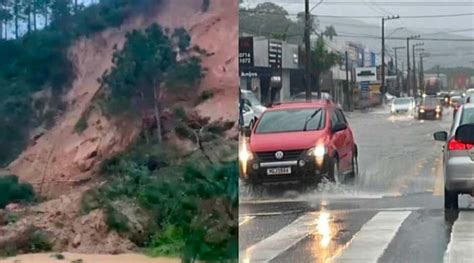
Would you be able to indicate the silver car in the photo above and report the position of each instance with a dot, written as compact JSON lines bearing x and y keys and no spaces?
{"x":458,"y":156}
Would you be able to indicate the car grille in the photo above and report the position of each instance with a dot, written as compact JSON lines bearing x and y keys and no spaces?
{"x":287,"y":156}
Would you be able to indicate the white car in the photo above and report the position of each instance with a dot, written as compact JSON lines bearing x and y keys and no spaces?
{"x":403,"y":105}
{"x":249,"y":115}
{"x":251,"y":100}
{"x":469,"y":96}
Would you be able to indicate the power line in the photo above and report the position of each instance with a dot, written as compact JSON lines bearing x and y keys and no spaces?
{"x":337,"y":16}
{"x":394,"y":3}
{"x":367,"y":36}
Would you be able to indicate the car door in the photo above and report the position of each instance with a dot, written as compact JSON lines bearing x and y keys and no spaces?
{"x":347,"y":143}
{"x":337,"y":140}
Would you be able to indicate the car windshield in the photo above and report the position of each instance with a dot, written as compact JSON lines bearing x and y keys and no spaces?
{"x":401,"y":101}
{"x":467,"y":116}
{"x":291,"y":120}
{"x":430,"y":102}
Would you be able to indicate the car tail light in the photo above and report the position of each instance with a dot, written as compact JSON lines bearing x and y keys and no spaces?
{"x":454,"y":145}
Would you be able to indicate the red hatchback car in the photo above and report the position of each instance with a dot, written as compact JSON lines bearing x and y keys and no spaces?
{"x":299,"y":142}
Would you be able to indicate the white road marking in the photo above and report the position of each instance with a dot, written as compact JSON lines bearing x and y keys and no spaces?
{"x":333,"y":211}
{"x":369,"y":244}
{"x":461,"y":246}
{"x":281,"y":241}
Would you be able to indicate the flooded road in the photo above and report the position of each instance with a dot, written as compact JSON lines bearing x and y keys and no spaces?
{"x":392,"y":213}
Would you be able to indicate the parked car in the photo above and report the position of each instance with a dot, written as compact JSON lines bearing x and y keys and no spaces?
{"x":456,"y":102}
{"x":458,"y":156}
{"x":430,"y":107}
{"x":299,"y":143}
{"x":251,"y":100}
{"x":249,"y":115}
{"x":469,"y":98}
{"x":403,"y":106}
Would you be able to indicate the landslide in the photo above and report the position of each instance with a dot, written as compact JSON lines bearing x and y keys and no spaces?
{"x":62,"y":163}
{"x":60,"y":160}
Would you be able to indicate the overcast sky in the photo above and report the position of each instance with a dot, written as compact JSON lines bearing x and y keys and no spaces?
{"x":389,"y":7}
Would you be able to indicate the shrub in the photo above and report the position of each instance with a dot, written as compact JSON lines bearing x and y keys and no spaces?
{"x":116,"y":220}
{"x":12,"y":191}
{"x":81,"y":125}
{"x":31,"y":240}
{"x":180,"y":113}
{"x":194,"y":204}
{"x":205,"y":95}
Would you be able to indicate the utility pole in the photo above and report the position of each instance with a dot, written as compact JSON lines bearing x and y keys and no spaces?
{"x":415,"y":86}
{"x":437,"y":73}
{"x":422,"y":86}
{"x":346,"y":87}
{"x":307,"y":52}
{"x":383,"y":88}
{"x":408,"y":88}
{"x":396,"y":68}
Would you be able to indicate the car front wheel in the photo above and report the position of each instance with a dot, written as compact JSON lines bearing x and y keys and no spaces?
{"x":355,"y":166}
{"x":450,"y":199}
{"x":335,"y":173}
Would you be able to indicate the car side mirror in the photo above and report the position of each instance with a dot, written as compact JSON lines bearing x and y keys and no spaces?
{"x":338,"y":127}
{"x":465,"y":134}
{"x":441,"y":136}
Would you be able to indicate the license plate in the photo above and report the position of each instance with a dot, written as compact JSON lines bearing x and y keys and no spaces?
{"x":279,"y":171}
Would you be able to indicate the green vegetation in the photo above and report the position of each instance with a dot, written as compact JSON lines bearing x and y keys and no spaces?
{"x":321,"y":60}
{"x":37,"y":61}
{"x":81,"y":125}
{"x":12,"y":191}
{"x":189,"y":205}
{"x":271,"y":20}
{"x":148,"y":60}
{"x":205,"y":95}
{"x":32,"y":240}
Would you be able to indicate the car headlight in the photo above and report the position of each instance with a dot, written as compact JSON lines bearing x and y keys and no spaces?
{"x":438,"y":109}
{"x":318,"y":151}
{"x":393,"y":108}
{"x":422,"y":110}
{"x":245,"y":154}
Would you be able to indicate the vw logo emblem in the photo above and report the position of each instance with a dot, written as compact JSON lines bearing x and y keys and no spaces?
{"x":279,"y":155}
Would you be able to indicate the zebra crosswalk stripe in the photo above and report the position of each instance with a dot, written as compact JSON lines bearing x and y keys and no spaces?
{"x":369,"y":244}
{"x":461,"y":247}
{"x":279,"y":242}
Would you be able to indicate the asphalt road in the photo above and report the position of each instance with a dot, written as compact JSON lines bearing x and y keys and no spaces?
{"x":392,"y":213}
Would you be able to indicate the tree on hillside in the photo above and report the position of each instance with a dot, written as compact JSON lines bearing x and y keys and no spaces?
{"x":271,"y":20}
{"x":321,"y":60}
{"x":16,"y":15}
{"x":5,"y":17}
{"x":61,"y":15}
{"x":146,"y":62}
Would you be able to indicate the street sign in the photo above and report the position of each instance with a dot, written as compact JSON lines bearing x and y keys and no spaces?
{"x":275,"y":54}
{"x":246,"y":59}
{"x":366,"y":74}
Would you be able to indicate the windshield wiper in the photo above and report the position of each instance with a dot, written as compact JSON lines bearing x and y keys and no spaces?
{"x":309,"y":118}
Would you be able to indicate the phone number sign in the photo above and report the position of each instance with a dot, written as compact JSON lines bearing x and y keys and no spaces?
{"x":246,"y":52}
